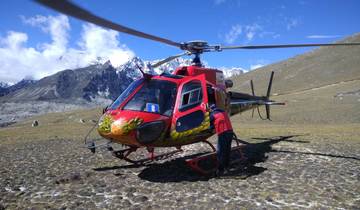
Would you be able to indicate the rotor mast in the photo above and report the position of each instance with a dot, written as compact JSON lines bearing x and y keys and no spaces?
{"x":196,"y":60}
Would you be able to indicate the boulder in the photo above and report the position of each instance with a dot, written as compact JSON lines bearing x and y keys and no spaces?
{"x":35,"y":123}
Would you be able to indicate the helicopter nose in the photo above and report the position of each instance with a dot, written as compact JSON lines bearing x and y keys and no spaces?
{"x":132,"y":127}
{"x":111,"y":124}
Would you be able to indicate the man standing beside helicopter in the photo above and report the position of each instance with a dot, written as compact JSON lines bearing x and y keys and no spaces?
{"x":221,"y":123}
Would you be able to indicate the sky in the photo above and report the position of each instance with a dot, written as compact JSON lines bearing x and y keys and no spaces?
{"x":37,"y":42}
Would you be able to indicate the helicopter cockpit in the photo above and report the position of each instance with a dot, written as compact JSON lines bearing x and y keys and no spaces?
{"x":155,"y":96}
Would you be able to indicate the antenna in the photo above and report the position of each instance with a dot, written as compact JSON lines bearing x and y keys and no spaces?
{"x":145,"y":75}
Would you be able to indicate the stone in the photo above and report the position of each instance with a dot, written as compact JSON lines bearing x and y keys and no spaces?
{"x":141,"y":198}
{"x":35,"y":123}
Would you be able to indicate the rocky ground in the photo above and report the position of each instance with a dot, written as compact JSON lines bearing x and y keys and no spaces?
{"x":283,"y":172}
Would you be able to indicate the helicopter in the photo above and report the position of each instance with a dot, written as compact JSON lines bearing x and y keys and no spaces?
{"x":172,"y":110}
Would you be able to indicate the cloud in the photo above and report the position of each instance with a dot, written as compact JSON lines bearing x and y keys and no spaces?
{"x":98,"y":43}
{"x":256,"y":66}
{"x":56,"y":26}
{"x":252,"y":30}
{"x":249,"y":31}
{"x":17,"y":60}
{"x":233,"y":34}
{"x":292,"y":23}
{"x":322,"y":36}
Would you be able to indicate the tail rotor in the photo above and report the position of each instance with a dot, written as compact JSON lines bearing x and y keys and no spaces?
{"x":267,"y":99}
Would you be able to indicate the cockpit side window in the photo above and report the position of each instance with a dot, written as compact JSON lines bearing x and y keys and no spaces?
{"x":191,"y":95}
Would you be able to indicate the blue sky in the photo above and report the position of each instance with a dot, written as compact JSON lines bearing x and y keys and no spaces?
{"x":42,"y":35}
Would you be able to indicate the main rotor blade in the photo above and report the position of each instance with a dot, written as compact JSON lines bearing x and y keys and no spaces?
{"x":168,"y":59}
{"x":71,"y":9}
{"x":283,"y":46}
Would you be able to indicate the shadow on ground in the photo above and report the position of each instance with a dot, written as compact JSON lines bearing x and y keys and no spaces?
{"x":317,"y":154}
{"x":177,"y":170}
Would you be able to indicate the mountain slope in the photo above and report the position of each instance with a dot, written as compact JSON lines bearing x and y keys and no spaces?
{"x":322,"y":66}
{"x":322,"y":86}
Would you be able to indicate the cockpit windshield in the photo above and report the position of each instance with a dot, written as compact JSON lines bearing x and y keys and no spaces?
{"x":157,"y":96}
{"x":130,"y":89}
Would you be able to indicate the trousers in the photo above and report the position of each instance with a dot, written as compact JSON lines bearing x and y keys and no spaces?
{"x":224,"y":149}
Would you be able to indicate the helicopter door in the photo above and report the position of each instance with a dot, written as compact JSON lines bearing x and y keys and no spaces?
{"x":191,"y":104}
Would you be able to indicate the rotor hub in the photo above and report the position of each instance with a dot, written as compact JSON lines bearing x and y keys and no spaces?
{"x":195,"y":47}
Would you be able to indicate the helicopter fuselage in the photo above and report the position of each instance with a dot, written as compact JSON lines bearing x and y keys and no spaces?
{"x":166,"y":110}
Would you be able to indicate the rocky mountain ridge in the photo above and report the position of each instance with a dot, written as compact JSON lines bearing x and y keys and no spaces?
{"x":98,"y":83}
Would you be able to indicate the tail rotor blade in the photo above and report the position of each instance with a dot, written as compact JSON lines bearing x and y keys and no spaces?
{"x":267,"y":107}
{"x":270,"y":84}
{"x":252,"y":87}
{"x":253,"y":93}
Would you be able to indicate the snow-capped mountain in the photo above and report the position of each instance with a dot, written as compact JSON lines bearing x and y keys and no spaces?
{"x":131,"y":68}
{"x":172,"y":65}
{"x":169,"y":67}
{"x":6,"y":88}
{"x":4,"y":85}
{"x":92,"y":83}
{"x":133,"y":65}
{"x":99,"y":83}
{"x":234,"y":71}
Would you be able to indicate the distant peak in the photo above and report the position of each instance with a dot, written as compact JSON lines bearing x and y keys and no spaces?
{"x":107,"y":63}
{"x":27,"y":80}
{"x":4,"y":85}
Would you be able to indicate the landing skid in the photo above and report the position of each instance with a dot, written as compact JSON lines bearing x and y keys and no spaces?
{"x":125,"y":153}
{"x":207,"y":164}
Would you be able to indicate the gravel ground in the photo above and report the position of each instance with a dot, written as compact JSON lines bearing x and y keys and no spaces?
{"x":292,"y":172}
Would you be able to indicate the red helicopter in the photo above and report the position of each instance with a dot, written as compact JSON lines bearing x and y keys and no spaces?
{"x":171,"y":110}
